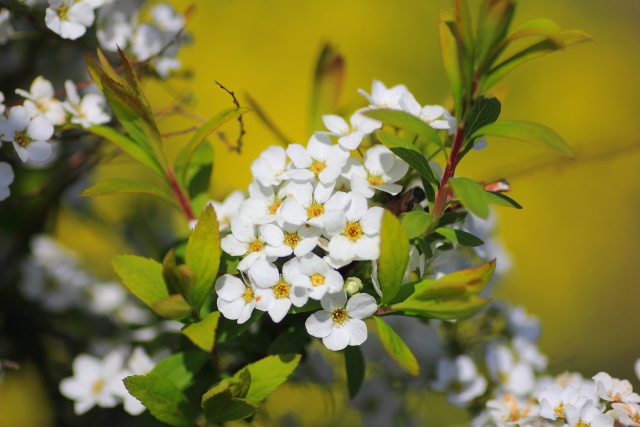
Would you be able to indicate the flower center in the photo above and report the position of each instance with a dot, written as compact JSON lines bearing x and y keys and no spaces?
{"x":317,"y":280}
{"x":315,"y":210}
{"x":274,"y":207}
{"x":62,"y":12}
{"x":560,"y":409}
{"x":339,"y":316}
{"x":317,"y":166}
{"x":255,"y":246}
{"x":583,"y":424}
{"x":21,"y":139}
{"x":353,"y":231}
{"x":292,"y":239}
{"x":97,"y":386}
{"x":281,"y":290}
{"x":375,"y":180}
{"x":248,"y":295}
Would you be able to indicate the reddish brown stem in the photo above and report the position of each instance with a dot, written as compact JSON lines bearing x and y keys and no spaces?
{"x":449,"y":171}
{"x":183,"y":200}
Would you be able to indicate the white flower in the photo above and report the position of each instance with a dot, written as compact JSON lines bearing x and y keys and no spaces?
{"x":308,"y":205}
{"x":236,"y":300}
{"x":69,"y":18}
{"x":459,"y":377}
{"x":381,"y":97}
{"x":354,"y":233}
{"x":587,"y":415}
{"x":316,"y":278}
{"x":262,"y":205}
{"x":350,"y":135}
{"x":512,"y":411}
{"x":340,"y":324}
{"x":615,"y":390}
{"x":514,"y":377}
{"x":147,"y":41}
{"x":529,"y":353}
{"x":116,"y":26}
{"x":228,"y":209}
{"x":6,"y":179}
{"x":106,"y":298}
{"x":270,"y":167}
{"x":6,"y":29}
{"x":139,"y":363}
{"x":381,"y":170}
{"x":167,"y":18}
{"x":523,"y":324}
{"x":86,"y":112}
{"x":94,"y":381}
{"x":321,"y":160}
{"x":628,"y":414}
{"x":273,"y":291}
{"x":41,"y":101}
{"x":555,"y":400}
{"x":252,"y":240}
{"x":298,"y":240}
{"x":433,"y":115}
{"x":29,"y":136}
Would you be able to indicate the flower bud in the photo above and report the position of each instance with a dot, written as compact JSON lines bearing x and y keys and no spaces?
{"x":353,"y":285}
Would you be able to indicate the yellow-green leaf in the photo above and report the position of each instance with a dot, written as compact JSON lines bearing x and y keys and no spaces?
{"x":268,"y":374}
{"x":472,"y":195}
{"x":115,"y":186}
{"x":327,"y":85}
{"x":142,"y":276}
{"x":406,"y":121}
{"x":174,"y":307}
{"x":527,"y":131}
{"x":203,"y":333}
{"x":397,"y":348}
{"x":394,"y":256}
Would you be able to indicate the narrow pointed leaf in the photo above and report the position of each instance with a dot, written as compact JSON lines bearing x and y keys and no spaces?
{"x":174,"y":307}
{"x":409,"y":153}
{"x":449,"y":52}
{"x":544,"y":28}
{"x":460,"y":237}
{"x":327,"y":85}
{"x":268,"y":374}
{"x":406,"y":121}
{"x":500,"y":199}
{"x":355,"y":367}
{"x":115,"y":186}
{"x":529,"y":132}
{"x":397,"y":348}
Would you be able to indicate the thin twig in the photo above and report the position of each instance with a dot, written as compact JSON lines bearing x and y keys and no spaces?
{"x":238,"y":146}
{"x":179,"y":132}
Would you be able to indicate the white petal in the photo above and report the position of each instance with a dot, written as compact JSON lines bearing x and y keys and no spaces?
{"x":409,"y":104}
{"x":243,"y":229}
{"x":332,"y":301}
{"x":72,"y":389}
{"x":319,"y":324}
{"x":300,"y":192}
{"x":6,"y":174}
{"x":22,"y":152}
{"x":371,"y":222}
{"x":293,"y":212}
{"x":318,"y":146}
{"x":338,"y":339}
{"x":360,"y":185}
{"x":334,"y":222}
{"x":233,"y":246}
{"x":392,"y":189}
{"x":357,"y":330}
{"x":264,"y":299}
{"x":361,"y":306}
{"x":71,"y":30}
{"x":272,"y":234}
{"x":336,"y":124}
{"x":366,"y":247}
{"x":230,"y":287}
{"x":341,"y":248}
{"x":231,"y":309}
{"x":19,"y":118}
{"x":40,"y":151}
{"x":351,"y":141}
{"x":82,"y":13}
{"x":358,"y":207}
{"x":299,"y":295}
{"x":263,"y":274}
{"x":299,"y":156}
{"x":248,"y":261}
{"x":246,"y":312}
{"x":305,"y":246}
{"x":279,"y":310}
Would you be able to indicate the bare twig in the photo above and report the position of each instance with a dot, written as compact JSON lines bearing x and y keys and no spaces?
{"x":179,"y":132}
{"x":238,"y":146}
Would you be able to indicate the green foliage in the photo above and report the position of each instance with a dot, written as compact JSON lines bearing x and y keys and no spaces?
{"x":225,"y":400}
{"x":142,"y":276}
{"x":449,"y":52}
{"x":230,"y":329}
{"x":268,"y":374}
{"x":197,"y":176}
{"x":394,"y":256}
{"x":416,"y":223}
{"x":115,"y":186}
{"x":203,"y":333}
{"x":493,"y":23}
{"x":355,"y":367}
{"x":485,"y":111}
{"x":174,"y":307}
{"x":328,"y":80}
{"x":397,"y":348}
{"x":500,"y":199}
{"x":203,"y":257}
{"x":406,"y":121}
{"x":472,"y":195}
{"x":181,"y":368}
{"x":409,"y":153}
{"x":162,"y":398}
{"x":292,"y":340}
{"x":527,"y":131}
{"x":460,"y":237}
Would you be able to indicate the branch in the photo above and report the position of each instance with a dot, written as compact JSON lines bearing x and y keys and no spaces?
{"x":238,"y":145}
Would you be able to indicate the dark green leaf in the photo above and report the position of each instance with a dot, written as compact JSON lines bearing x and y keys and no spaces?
{"x":291,"y":341}
{"x":500,"y":199}
{"x":230,"y":329}
{"x":394,"y":256}
{"x":472,"y":195}
{"x":231,"y":409}
{"x":397,"y":348}
{"x":115,"y":186}
{"x":162,"y":398}
{"x":203,"y":333}
{"x":142,"y":276}
{"x":406,"y":121}
{"x":355,"y":366}
{"x":416,"y":223}
{"x":527,"y":131}
{"x":410,"y":154}
{"x":485,"y":111}
{"x":460,"y":237}
{"x":181,"y":368}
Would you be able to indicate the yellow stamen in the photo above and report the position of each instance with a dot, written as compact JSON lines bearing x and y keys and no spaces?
{"x":375,"y":180}
{"x":248,"y":295}
{"x":97,"y":386}
{"x":255,"y":246}
{"x":292,"y":239}
{"x":339,"y":316}
{"x":317,"y":280}
{"x":315,"y":210}
{"x":281,"y":290}
{"x":274,"y":207}
{"x":353,"y":231}
{"x":317,"y":167}
{"x":22,"y":139}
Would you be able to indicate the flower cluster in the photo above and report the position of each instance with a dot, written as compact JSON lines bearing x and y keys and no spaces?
{"x":98,"y":382}
{"x":311,"y":212}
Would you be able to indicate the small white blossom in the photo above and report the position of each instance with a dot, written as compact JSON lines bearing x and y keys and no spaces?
{"x":460,"y":378}
{"x":86,"y":112}
{"x":6,"y":29}
{"x":29,"y":136}
{"x":298,"y":240}
{"x":41,"y":100}
{"x":381,"y":169}
{"x":339,"y":323}
{"x":308,"y":205}
{"x":251,"y":240}
{"x":106,"y":298}
{"x":262,"y":206}
{"x":433,"y":115}
{"x":628,"y":414}
{"x":6,"y":179}
{"x":316,"y":278}
{"x":69,"y":18}
{"x":555,"y":400}
{"x":94,"y":381}
{"x":139,"y":363}
{"x":512,"y":411}
{"x":514,"y":376}
{"x":236,"y":300}
{"x":321,"y":160}
{"x":228,"y":209}
{"x":529,"y":353}
{"x":587,"y":415}
{"x":381,"y":97}
{"x":274,"y":291}
{"x":167,"y":18}
{"x":270,"y":167}
{"x":615,"y":390}
{"x":115,"y":25}
{"x":350,"y":135}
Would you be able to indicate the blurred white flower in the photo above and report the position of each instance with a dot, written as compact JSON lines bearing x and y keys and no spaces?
{"x":88,"y":111}
{"x":587,"y":415}
{"x":228,"y":209}
{"x":41,"y":100}
{"x":69,"y":18}
{"x":628,"y":414}
{"x":513,"y":376}
{"x":29,"y":136}
{"x":381,"y":97}
{"x":509,"y":410}
{"x":6,"y":179}
{"x":460,"y":379}
{"x":555,"y":400}
{"x":615,"y":390}
{"x":6,"y":29}
{"x":139,"y":363}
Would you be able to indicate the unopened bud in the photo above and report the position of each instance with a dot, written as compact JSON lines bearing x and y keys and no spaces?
{"x":352,"y":285}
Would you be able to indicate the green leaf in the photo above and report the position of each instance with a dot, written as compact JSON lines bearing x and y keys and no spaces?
{"x":142,"y":276}
{"x":449,"y":52}
{"x":185,"y":156}
{"x":396,"y":348}
{"x":174,"y":307}
{"x":197,"y":176}
{"x":139,"y":152}
{"x":268,"y":374}
{"x":394,"y":256}
{"x":500,"y":199}
{"x":460,"y":237}
{"x":493,"y":23}
{"x":527,"y":131}
{"x":203,"y":333}
{"x":355,"y":366}
{"x":473,"y":280}
{"x":203,"y":256}
{"x":230,"y":409}
{"x":230,"y":329}
{"x":416,"y":223}
{"x":444,"y":309}
{"x":170,"y":273}
{"x":410,"y":154}
{"x":181,"y":368}
{"x":115,"y":186}
{"x":537,"y":27}
{"x":228,"y":264}
{"x":162,"y":398}
{"x":472,"y":195}
{"x":328,"y":80}
{"x":406,"y":121}
{"x":566,"y":38}
{"x":291,"y":341}
{"x":485,"y":111}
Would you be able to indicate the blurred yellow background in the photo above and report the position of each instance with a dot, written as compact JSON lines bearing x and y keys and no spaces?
{"x":575,"y":243}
